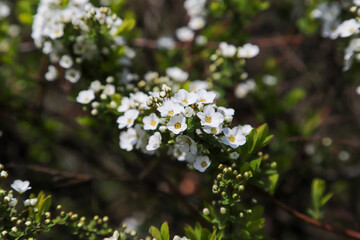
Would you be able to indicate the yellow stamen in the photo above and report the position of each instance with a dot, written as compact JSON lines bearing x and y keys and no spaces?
{"x":185,"y":101}
{"x":177,"y":125}
{"x":153,"y":123}
{"x":208,"y":119}
{"x":203,"y":164}
{"x":171,"y":112}
{"x":214,"y":130}
{"x":202,"y":100}
{"x":231,"y":139}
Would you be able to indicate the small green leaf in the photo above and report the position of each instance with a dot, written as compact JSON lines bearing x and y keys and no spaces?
{"x":165,"y":231}
{"x":155,"y":233}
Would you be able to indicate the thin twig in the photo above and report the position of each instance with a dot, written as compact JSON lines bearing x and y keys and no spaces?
{"x":325,"y":226}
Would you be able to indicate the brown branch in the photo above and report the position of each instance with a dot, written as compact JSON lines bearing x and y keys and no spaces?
{"x":325,"y":226}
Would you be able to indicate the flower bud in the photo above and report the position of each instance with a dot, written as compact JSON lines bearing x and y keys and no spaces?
{"x":223,"y":210}
{"x":206,"y":211}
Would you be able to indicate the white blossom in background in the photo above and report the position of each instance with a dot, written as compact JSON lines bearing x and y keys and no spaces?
{"x":185,"y":34}
{"x":177,"y":74}
{"x":66,"y":62}
{"x":51,"y":73}
{"x":196,"y":23}
{"x":197,"y":85}
{"x":72,"y":75}
{"x":201,"y":40}
{"x":327,"y":12}
{"x":233,"y":137}
{"x":201,"y":163}
{"x":269,"y":80}
{"x":12,"y":201}
{"x":95,"y":85}
{"x":21,"y":186}
{"x":243,"y":89}
{"x":167,"y":43}
{"x":248,"y":50}
{"x":85,"y":96}
{"x":128,"y":139}
{"x":4,"y":10}
{"x":227,"y":50}
{"x":109,"y":89}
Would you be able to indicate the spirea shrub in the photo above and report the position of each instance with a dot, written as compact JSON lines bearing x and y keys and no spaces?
{"x":179,"y":103}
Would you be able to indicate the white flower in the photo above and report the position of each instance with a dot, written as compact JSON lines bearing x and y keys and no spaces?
{"x":233,"y":137}
{"x":242,"y":89}
{"x":12,"y":201}
{"x":213,"y":130}
{"x":128,"y":119}
{"x":201,"y":163}
{"x":128,"y":139}
{"x":51,"y":73}
{"x":151,"y":122}
{"x":177,"y":124}
{"x":126,"y":103}
{"x":115,"y":236}
{"x":85,"y":96}
{"x":72,"y":75}
{"x":327,"y":12}
{"x":189,"y":112}
{"x":185,"y":98}
{"x":197,"y":85}
{"x":109,"y":89}
{"x":246,"y":129}
{"x":30,"y":202}
{"x":269,"y":80}
{"x":177,"y":74}
{"x":195,"y":7}
{"x":95,"y":85}
{"x":348,"y":28}
{"x":165,"y":43}
{"x":154,"y":142}
{"x":227,"y":112}
{"x":66,"y":61}
{"x":4,"y":10}
{"x":185,"y":34}
{"x":201,"y":40}
{"x":21,"y":186}
{"x":4,"y":174}
{"x":227,"y":50}
{"x":205,"y":96}
{"x":47,"y":48}
{"x":248,"y":51}
{"x":234,"y":155}
{"x":196,"y":23}
{"x":176,"y":237}
{"x":170,"y":108}
{"x":186,"y":144}
{"x":210,"y":118}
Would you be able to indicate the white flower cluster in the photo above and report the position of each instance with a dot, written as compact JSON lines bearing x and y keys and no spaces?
{"x":177,"y":122}
{"x":248,"y":50}
{"x":244,"y":88}
{"x":51,"y":23}
{"x":328,"y":14}
{"x":196,"y":10}
{"x":333,"y":29}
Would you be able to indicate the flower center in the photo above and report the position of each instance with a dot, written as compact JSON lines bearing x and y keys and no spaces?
{"x":129,"y":120}
{"x":171,"y":112}
{"x":153,"y":123}
{"x":231,"y":139}
{"x":351,"y":30}
{"x":208,"y":119}
{"x":202,"y":100}
{"x":203,"y":164}
{"x":185,"y":101}
{"x":213,"y":130}
{"x":177,"y":125}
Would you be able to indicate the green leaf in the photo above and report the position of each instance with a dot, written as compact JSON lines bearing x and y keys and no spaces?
{"x":165,"y":231}
{"x":273,"y":181}
{"x":155,"y":233}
